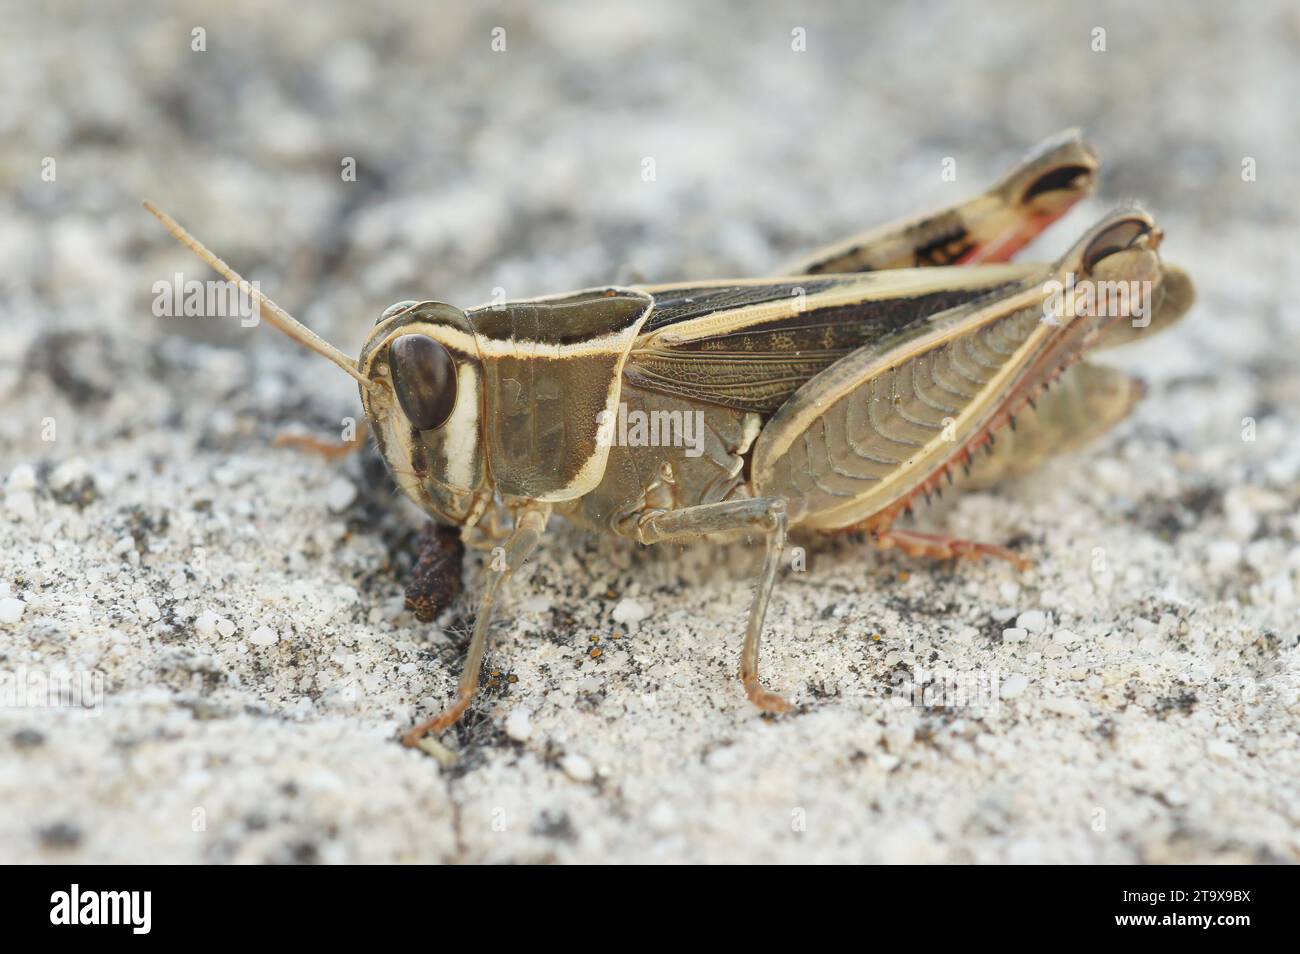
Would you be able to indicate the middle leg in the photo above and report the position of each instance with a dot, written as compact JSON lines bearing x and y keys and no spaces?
{"x":765,"y":514}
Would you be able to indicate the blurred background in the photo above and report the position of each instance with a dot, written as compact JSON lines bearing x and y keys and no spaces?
{"x":535,"y":148}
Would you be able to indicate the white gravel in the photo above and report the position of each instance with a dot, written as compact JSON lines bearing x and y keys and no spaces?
{"x":11,"y":610}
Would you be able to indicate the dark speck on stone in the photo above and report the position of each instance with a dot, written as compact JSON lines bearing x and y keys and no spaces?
{"x":556,"y":826}
{"x":25,"y":739}
{"x":60,"y":835}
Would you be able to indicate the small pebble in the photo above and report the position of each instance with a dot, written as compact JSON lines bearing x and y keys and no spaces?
{"x":628,"y":610}
{"x":1035,"y":621}
{"x":22,"y":504}
{"x":264,"y":636}
{"x":723,"y":758}
{"x":1064,"y":705}
{"x":206,"y":624}
{"x":577,"y":768}
{"x":11,"y":610}
{"x":1014,"y":635}
{"x":1144,"y":628}
{"x":1222,"y":555}
{"x":1221,"y":751}
{"x":662,"y":817}
{"x":519,"y":725}
{"x":69,"y":472}
{"x":1013,"y":686}
{"x":539,"y":603}
{"x":339,"y":494}
{"x":148,"y":609}
{"x":21,"y":478}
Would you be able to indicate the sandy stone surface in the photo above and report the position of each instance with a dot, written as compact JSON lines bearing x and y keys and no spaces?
{"x":237,"y":608}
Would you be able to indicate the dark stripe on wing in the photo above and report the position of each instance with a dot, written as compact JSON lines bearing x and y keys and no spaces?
{"x":759,"y":367}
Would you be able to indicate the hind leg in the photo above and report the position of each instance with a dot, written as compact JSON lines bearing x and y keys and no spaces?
{"x":991,"y":227}
{"x":1087,"y":401}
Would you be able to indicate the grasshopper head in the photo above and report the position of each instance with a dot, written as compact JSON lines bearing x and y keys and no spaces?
{"x":420,"y":382}
{"x":424,"y":401}
{"x":507,"y":398}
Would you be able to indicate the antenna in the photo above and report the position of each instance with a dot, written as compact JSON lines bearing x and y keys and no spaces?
{"x":274,"y":313}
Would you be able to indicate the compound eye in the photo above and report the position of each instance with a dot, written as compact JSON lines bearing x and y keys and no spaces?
{"x":1123,"y":234}
{"x":424,"y":377}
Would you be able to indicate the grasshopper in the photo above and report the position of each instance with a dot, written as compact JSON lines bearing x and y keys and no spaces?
{"x":829,"y":398}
